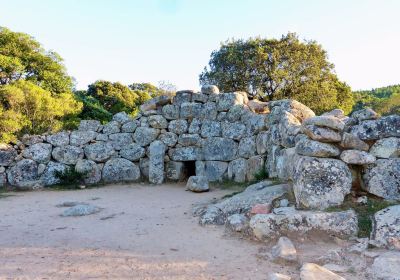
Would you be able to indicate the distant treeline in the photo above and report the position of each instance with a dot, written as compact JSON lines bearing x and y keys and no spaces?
{"x":384,"y":100}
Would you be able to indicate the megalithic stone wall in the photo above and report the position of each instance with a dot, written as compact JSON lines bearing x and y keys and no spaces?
{"x":223,"y":136}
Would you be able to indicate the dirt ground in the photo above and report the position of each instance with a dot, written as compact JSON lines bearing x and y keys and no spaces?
{"x":143,"y":232}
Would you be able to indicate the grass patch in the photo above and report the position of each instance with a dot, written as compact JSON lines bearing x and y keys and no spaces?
{"x":365,"y":212}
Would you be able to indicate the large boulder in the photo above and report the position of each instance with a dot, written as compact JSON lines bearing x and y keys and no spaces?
{"x":365,"y":114}
{"x":210,"y":128}
{"x":197,"y":184}
{"x":129,"y":127}
{"x":321,"y":134}
{"x":39,"y":152}
{"x":209,"y":89}
{"x":89,"y":125}
{"x":158,"y":121}
{"x":49,"y":176}
{"x":168,"y":138}
{"x":357,"y":157}
{"x":189,"y":140}
{"x":230,"y":99}
{"x":170,"y":112}
{"x":190,"y":110}
{"x":156,"y":164}
{"x":178,"y":126}
{"x":255,"y":164}
{"x":217,"y":148}
{"x":209,"y":111}
{"x":120,"y":170}
{"x":91,"y":170}
{"x":262,"y":140}
{"x":247,"y":147}
{"x":23,"y":175}
{"x":143,"y":136}
{"x":7,"y":154}
{"x":235,"y":130}
{"x":80,"y":138}
{"x":260,"y":193}
{"x":319,"y":183}
{"x":386,"y":227}
{"x":182,"y":96}
{"x":377,"y":129}
{"x":213,"y":170}
{"x":293,"y":223}
{"x":121,"y":117}
{"x":325,"y":121}
{"x":99,"y":152}
{"x":132,"y":152}
{"x":386,"y":148}
{"x":237,"y":170}
{"x":351,"y":141}
{"x":120,"y":140}
{"x":312,"y":271}
{"x":67,"y":154}
{"x":386,"y":267}
{"x":59,"y":139}
{"x":175,"y":170}
{"x":112,"y":127}
{"x":308,"y":147}
{"x":383,"y":178}
{"x":189,"y":153}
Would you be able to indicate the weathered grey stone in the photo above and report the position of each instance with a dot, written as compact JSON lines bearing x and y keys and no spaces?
{"x":198,"y":97}
{"x":39,"y":152}
{"x":351,"y":141}
{"x":23,"y":175}
{"x":190,"y":110}
{"x":158,"y":111}
{"x":254,"y":165}
{"x":7,"y":154}
{"x":178,"y":126}
{"x":182,"y":96}
{"x":153,"y":103}
{"x":262,"y":192}
{"x":278,"y":276}
{"x":186,"y":153}
{"x":67,"y":154}
{"x":80,"y":138}
{"x":284,"y":251}
{"x":234,"y":130}
{"x":338,"y":113}
{"x":215,"y":170}
{"x":143,"y":136}
{"x":235,"y":113}
{"x":262,"y":142}
{"x":49,"y":175}
{"x":386,"y":227}
{"x":386,"y":148}
{"x":319,"y":183}
{"x":89,"y":125}
{"x":175,"y":170}
{"x":120,"y":140}
{"x":189,"y":140}
{"x":81,"y":210}
{"x":321,"y":134}
{"x":59,"y":139}
{"x":273,"y":153}
{"x":312,"y":271}
{"x":217,"y":148}
{"x":237,"y":170}
{"x":254,"y":122}
{"x":285,"y":163}
{"x":365,"y":114}
{"x":28,"y":140}
{"x":132,"y":152}
{"x":297,"y":109}
{"x":209,"y":111}
{"x":209,"y":89}
{"x":383,"y":178}
{"x":247,"y":147}
{"x":377,"y":129}
{"x":287,"y":129}
{"x":111,"y":127}
{"x":237,"y":222}
{"x":99,"y":152}
{"x":158,"y":121}
{"x":41,"y":168}
{"x":120,"y":170}
{"x":386,"y":266}
{"x":227,"y":100}
{"x":295,"y":223}
{"x":156,"y":164}
{"x":102,"y":137}
{"x":222,"y":116}
{"x":168,"y":138}
{"x":122,"y":117}
{"x":210,"y":129}
{"x":129,"y":127}
{"x":195,"y":126}
{"x":91,"y":170}
{"x":197,"y":184}
{"x":170,"y":112}
{"x":357,"y":157}
{"x":144,"y":167}
{"x":308,"y":147}
{"x":325,"y":121}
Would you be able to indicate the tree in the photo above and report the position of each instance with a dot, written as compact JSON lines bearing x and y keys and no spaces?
{"x":271,"y":69}
{"x":28,"y":108}
{"x":22,"y":57}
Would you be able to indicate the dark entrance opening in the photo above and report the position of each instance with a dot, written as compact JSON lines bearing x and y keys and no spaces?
{"x":189,"y":168}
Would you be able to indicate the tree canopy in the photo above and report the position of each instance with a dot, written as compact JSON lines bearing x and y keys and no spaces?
{"x":271,"y":69}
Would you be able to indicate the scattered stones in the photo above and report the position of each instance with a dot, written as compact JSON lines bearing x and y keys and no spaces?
{"x":197,"y":184}
{"x":284,"y":251}
{"x":357,"y":157}
{"x":312,"y":271}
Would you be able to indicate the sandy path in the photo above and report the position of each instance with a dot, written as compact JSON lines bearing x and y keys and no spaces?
{"x":152,"y":236}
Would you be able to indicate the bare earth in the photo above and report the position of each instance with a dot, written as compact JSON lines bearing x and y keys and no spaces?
{"x":143,"y":232}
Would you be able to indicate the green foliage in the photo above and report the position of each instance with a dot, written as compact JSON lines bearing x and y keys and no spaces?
{"x":28,"y":108}
{"x":272,"y":69}
{"x":70,"y":177}
{"x":23,"y":58}
{"x":385,"y":100}
{"x":365,"y":212}
{"x":261,"y":174}
{"x":92,"y":108}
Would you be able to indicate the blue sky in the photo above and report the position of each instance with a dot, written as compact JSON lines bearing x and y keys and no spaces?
{"x":153,"y":40}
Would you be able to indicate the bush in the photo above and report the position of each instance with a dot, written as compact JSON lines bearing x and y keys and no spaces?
{"x":70,"y":177}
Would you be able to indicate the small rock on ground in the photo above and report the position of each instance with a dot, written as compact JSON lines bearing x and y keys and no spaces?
{"x":284,"y":251}
{"x":312,"y":271}
{"x":81,"y":210}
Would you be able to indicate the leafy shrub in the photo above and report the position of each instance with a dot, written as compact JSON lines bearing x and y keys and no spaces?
{"x":70,"y":177}
{"x":261,"y":174}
